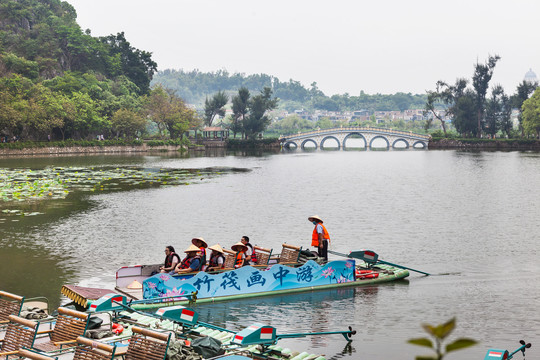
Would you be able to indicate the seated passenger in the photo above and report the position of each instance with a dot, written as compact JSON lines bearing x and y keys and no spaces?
{"x":192,"y":261}
{"x":251,"y":255}
{"x":217,"y":260}
{"x":201,"y":244}
{"x":171,"y":259}
{"x":240,"y":254}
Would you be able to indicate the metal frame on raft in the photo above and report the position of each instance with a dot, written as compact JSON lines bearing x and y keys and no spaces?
{"x":371,"y":258}
{"x":188,"y":319}
{"x":497,"y":354}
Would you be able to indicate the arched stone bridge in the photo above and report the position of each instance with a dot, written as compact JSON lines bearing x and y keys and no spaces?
{"x":393,"y":138}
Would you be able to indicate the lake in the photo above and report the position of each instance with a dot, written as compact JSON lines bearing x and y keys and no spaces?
{"x":472,"y":219}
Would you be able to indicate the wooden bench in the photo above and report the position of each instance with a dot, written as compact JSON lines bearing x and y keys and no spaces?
{"x":10,"y":304}
{"x":146,"y":344}
{"x":20,"y":333}
{"x":70,"y":324}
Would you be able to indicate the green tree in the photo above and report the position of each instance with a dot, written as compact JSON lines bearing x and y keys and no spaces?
{"x":498,"y":112}
{"x":464,"y":114}
{"x":257,"y":121}
{"x":240,"y":108}
{"x":137,"y":65}
{"x":480,"y":81}
{"x":439,"y":333}
{"x":215,"y":106}
{"x":324,"y":123}
{"x":531,"y":114}
{"x":292,"y":124}
{"x":127,"y":123}
{"x":523,"y":91}
{"x":170,"y":113}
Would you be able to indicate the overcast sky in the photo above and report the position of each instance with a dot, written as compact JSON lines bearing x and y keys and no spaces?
{"x":379,"y":46}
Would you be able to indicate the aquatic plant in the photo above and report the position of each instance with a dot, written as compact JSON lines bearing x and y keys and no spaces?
{"x":440,"y":333}
{"x":30,"y":185}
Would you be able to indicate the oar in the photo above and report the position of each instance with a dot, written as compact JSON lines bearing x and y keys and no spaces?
{"x":346,"y":334}
{"x":403,"y":267}
{"x":372,"y":258}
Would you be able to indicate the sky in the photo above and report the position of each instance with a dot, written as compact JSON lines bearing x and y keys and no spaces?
{"x":345,"y":46}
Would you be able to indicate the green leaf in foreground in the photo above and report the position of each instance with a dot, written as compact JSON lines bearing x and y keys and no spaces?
{"x":460,"y":344}
{"x":439,"y":333}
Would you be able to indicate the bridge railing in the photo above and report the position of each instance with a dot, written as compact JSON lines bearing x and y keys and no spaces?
{"x":355,"y":128}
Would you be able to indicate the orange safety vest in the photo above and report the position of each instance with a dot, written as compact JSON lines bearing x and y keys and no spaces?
{"x":239,"y":259}
{"x":315,"y":236}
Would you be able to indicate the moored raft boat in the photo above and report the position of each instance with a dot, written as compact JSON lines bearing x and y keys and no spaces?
{"x":278,"y":279}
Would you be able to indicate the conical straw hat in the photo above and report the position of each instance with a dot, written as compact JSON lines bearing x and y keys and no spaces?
{"x":236,"y":246}
{"x":315,"y":217}
{"x":205,"y":245}
{"x":217,"y":248}
{"x":192,"y":248}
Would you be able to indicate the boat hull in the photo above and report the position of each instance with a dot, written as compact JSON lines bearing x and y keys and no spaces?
{"x":379,"y":275}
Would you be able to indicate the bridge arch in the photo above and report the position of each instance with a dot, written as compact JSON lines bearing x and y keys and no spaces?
{"x":420,"y":142}
{"x":397,"y":141}
{"x":291,"y":145}
{"x":303,"y":146}
{"x":354,"y":133}
{"x":330,"y":137}
{"x":379,"y":137}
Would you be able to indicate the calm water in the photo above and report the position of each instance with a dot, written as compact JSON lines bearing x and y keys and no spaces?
{"x":471,"y":218}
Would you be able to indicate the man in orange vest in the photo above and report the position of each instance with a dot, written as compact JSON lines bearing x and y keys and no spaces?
{"x":320,"y":237}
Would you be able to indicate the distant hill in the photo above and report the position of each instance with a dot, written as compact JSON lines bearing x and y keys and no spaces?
{"x":194,"y":86}
{"x":59,"y":82}
{"x":40,"y":39}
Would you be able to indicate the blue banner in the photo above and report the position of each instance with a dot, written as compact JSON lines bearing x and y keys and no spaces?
{"x":247,"y":279}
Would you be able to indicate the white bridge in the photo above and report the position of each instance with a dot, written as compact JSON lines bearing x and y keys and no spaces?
{"x":394,"y":139}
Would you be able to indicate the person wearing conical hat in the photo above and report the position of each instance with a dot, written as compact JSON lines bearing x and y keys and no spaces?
{"x":240,"y":254}
{"x":217,"y":259}
{"x":202,"y":245}
{"x":320,"y":237}
{"x":192,"y":261}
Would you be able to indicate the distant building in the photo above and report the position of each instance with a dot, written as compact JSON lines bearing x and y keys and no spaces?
{"x":530,"y":77}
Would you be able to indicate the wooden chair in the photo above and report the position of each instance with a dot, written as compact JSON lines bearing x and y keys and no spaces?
{"x":28,"y":354}
{"x":10,"y":304}
{"x":70,"y":324}
{"x":230,"y":259}
{"x":289,"y":254}
{"x":88,"y":349}
{"x":147,"y":344}
{"x":20,"y":333}
{"x":263,"y":255}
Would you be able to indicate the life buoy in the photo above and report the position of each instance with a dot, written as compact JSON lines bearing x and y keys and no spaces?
{"x":366,"y":274}
{"x":117,"y":329}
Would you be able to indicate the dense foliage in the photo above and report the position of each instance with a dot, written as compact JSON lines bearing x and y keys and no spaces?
{"x":194,"y":87}
{"x":57,"y":80}
{"x":476,"y":112}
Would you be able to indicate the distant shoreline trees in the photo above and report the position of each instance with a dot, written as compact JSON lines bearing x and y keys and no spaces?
{"x":473,"y":112}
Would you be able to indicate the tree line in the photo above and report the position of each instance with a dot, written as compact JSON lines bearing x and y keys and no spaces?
{"x":194,"y":86}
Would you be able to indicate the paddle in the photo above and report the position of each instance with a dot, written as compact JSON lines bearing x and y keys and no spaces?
{"x":371,"y":257}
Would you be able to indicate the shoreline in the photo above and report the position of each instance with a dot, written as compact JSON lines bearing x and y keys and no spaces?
{"x":440,"y":144}
{"x":484,"y":144}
